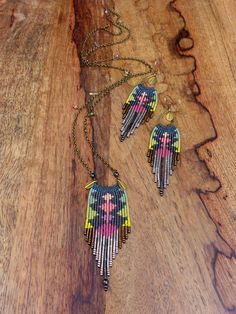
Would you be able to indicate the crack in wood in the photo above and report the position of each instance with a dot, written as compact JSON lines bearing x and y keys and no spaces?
{"x":84,"y":13}
{"x":79,"y":34}
{"x":12,"y":18}
{"x":232,"y":256}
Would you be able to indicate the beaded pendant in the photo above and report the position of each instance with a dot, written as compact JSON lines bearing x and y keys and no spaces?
{"x":138,"y":109}
{"x":164,"y":153}
{"x":107,"y":224}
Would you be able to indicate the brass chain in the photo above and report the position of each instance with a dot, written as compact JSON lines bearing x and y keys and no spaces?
{"x":114,"y":19}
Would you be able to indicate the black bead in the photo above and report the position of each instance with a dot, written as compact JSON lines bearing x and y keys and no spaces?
{"x":92,"y":175}
{"x":105,"y":284}
{"x":116,"y":174}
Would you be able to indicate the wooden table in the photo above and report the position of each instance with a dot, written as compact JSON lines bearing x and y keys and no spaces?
{"x":180,"y":257}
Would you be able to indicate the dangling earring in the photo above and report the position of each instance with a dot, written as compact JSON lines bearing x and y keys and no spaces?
{"x":139,"y":107}
{"x":164,"y":151}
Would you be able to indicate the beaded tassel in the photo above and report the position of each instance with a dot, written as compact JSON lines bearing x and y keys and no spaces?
{"x":163,"y":153}
{"x":138,"y":109}
{"x":107,"y":224}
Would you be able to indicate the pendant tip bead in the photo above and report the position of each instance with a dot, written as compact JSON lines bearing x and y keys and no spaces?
{"x":105,"y":284}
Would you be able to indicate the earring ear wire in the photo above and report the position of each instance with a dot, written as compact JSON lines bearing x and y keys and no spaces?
{"x":150,"y":80}
{"x":169,"y":116}
{"x":169,"y":112}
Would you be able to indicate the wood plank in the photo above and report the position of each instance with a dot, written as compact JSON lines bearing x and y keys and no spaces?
{"x":46,"y":266}
{"x":216,"y":78}
{"x":180,"y":257}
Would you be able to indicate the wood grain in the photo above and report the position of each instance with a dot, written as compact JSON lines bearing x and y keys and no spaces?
{"x":180,"y":257}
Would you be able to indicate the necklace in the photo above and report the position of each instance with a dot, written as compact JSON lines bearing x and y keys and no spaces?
{"x":107,"y":222}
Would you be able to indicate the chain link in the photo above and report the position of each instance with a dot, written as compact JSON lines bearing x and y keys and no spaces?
{"x":114,"y":19}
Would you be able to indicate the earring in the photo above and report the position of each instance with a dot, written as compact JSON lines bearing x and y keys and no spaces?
{"x":139,"y":107}
{"x":164,"y":151}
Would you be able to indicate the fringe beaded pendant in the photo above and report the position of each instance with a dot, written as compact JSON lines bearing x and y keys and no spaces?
{"x":138,"y":109}
{"x":107,"y":224}
{"x":164,"y":153}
